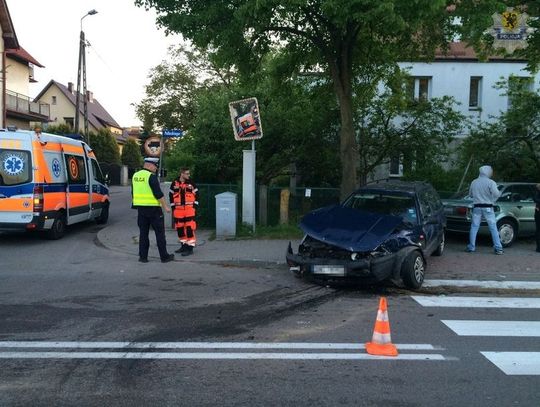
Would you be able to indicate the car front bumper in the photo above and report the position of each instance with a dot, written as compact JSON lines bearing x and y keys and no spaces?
{"x":379,"y":269}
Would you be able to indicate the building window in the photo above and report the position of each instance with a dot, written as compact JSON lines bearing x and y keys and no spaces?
{"x":396,"y":166}
{"x":420,"y":88}
{"x":475,"y":90}
{"x":69,"y":121}
{"x":53,"y":100}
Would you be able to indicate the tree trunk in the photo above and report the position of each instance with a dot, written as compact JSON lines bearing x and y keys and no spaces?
{"x":348,"y":149}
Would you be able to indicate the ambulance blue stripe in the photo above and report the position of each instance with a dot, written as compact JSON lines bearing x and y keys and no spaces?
{"x":54,"y":187}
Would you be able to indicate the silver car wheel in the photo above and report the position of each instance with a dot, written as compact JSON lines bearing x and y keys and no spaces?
{"x":506,"y":232}
{"x":419,"y":269}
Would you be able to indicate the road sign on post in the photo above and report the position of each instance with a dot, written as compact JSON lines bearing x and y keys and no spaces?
{"x":171,"y":133}
{"x":246,"y":119}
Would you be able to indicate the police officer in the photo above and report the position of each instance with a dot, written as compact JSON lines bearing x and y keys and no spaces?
{"x":148,"y":199}
{"x":183,"y":197}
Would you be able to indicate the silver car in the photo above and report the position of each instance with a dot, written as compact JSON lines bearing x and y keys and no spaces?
{"x":514,"y":211}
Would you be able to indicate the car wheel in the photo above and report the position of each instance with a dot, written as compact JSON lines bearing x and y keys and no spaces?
{"x":104,"y":216}
{"x":58,"y":228}
{"x":507,"y":231}
{"x":440,"y":248}
{"x":413,"y":270}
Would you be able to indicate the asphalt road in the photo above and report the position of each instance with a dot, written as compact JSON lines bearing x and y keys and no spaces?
{"x":83,"y":325}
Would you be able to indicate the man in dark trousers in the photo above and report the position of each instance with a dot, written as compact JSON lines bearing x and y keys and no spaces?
{"x":148,"y":199}
{"x":537,"y":216}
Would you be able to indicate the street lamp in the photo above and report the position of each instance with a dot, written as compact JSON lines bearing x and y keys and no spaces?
{"x":81,"y":72}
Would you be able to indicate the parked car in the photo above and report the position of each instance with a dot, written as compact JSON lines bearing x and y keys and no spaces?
{"x":382,"y":231}
{"x":514,"y":211}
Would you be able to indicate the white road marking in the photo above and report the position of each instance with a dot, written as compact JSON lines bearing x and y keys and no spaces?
{"x":494,"y":328}
{"x":216,"y":356}
{"x":476,"y":302}
{"x":202,"y":345}
{"x":516,"y":285}
{"x":516,"y":363}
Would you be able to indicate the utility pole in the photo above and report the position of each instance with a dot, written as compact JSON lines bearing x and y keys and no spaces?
{"x":81,"y":74}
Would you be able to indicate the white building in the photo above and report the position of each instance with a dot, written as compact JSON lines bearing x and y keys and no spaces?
{"x":460,"y":74}
{"x":471,"y":82}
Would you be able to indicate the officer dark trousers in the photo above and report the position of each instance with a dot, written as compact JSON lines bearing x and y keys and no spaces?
{"x":151,"y":216}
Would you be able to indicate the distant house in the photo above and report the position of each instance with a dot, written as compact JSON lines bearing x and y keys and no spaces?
{"x":17,"y":108}
{"x":459,"y":73}
{"x":62,"y":100}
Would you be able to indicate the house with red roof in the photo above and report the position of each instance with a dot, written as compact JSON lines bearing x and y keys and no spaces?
{"x":17,"y":72}
{"x":62,"y":100}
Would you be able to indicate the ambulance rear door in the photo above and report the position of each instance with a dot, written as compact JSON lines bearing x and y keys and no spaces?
{"x":16,"y":181}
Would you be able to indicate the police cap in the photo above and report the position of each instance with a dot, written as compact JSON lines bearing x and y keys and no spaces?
{"x":152,"y":160}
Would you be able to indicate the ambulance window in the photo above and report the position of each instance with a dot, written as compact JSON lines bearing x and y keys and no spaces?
{"x":98,"y":175}
{"x":76,"y":169}
{"x":15,"y":167}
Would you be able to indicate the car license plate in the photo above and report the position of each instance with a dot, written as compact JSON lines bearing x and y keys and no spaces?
{"x":329,"y":270}
{"x":449,"y":211}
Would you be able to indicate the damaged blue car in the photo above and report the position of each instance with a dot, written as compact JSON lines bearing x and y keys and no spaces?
{"x":383,"y":231}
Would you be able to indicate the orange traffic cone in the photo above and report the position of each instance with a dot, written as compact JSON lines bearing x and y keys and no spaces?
{"x":381,"y":343}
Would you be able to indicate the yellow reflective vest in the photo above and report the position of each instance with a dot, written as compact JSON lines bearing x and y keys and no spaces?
{"x":142,"y":193}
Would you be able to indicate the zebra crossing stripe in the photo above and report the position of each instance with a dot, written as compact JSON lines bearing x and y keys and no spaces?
{"x":204,"y":345}
{"x":494,"y":328}
{"x":477,"y":302}
{"x":217,"y":356}
{"x":509,"y":285}
{"x":515,"y":363}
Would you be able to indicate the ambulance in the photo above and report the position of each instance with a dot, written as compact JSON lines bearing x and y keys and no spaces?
{"x":48,"y":182}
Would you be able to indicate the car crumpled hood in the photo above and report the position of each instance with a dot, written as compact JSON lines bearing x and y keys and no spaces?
{"x":349,"y":229}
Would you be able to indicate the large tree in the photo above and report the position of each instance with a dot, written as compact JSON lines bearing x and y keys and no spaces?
{"x":342,"y":39}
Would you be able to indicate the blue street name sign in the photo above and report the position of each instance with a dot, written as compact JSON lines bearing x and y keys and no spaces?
{"x":172,"y":133}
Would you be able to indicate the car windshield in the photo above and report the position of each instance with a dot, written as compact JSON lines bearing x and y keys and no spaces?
{"x":385,"y":204}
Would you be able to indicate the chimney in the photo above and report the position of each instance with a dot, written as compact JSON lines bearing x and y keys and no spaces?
{"x":89,"y":96}
{"x":70,"y":87}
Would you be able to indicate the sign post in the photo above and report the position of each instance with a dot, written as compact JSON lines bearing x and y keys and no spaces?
{"x":246,"y":124}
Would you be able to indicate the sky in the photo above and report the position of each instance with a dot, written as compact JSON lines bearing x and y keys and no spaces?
{"x":125,"y":44}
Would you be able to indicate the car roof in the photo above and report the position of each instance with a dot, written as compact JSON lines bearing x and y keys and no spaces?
{"x":505,"y":184}
{"x":396,"y":186}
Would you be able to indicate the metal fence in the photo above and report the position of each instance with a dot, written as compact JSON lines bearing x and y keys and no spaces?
{"x":301,"y":201}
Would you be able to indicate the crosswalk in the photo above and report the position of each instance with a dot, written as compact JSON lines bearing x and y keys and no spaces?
{"x":510,"y":362}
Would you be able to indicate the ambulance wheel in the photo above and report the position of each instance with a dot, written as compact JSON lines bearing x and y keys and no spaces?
{"x":104,"y":216}
{"x":58,"y":228}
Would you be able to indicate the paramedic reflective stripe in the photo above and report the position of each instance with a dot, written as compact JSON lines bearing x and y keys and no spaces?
{"x":142,"y":193}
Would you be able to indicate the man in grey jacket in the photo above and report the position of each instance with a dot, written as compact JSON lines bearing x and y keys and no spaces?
{"x":484,"y":193}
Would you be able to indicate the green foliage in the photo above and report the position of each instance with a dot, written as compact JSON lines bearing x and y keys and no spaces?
{"x":475,"y":17}
{"x":105,"y":147}
{"x":445,"y":181}
{"x":131,"y":155}
{"x":511,"y":143}
{"x":419,"y":131}
{"x":341,"y":40}
{"x":59,"y":129}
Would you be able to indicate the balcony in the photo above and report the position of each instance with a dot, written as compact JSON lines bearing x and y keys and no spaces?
{"x":21,"y":106}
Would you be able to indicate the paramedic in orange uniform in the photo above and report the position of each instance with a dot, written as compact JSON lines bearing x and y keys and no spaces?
{"x":183,"y":197}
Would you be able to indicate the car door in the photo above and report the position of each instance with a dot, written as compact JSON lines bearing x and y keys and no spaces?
{"x":430,"y":223}
{"x":78,"y":189}
{"x":524,"y":207}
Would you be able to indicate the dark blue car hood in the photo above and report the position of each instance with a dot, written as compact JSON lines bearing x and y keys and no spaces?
{"x":349,"y":229}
